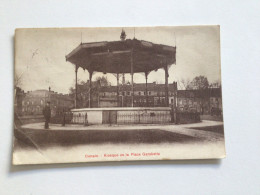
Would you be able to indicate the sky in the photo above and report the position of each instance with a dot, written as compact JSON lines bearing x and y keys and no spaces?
{"x":40,"y":54}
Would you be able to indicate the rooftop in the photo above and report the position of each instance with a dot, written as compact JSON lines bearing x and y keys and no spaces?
{"x":117,"y":56}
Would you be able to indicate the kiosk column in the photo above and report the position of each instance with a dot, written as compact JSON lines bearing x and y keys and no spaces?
{"x":76,"y":86}
{"x":132,"y":77}
{"x":90,"y":89}
{"x":166,"y":86}
{"x":146,"y":91}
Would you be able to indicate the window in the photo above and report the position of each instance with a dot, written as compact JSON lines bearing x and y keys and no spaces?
{"x":128,"y":93}
{"x":139,"y":93}
{"x":150,"y":93}
{"x":163,"y":100}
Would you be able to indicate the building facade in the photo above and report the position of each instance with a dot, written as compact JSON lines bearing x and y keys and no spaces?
{"x":19,"y":95}
{"x":203,"y":101}
{"x":206,"y":101}
{"x":155,"y":96}
{"x":33,"y":102}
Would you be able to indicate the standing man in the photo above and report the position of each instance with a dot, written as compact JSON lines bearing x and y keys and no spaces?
{"x":47,"y":115}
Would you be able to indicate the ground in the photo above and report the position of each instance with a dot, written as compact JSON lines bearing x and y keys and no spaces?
{"x":33,"y":144}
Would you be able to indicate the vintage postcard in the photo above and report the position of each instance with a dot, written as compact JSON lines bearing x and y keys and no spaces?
{"x":117,"y":94}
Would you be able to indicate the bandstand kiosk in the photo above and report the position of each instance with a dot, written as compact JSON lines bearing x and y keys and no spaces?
{"x":127,"y":56}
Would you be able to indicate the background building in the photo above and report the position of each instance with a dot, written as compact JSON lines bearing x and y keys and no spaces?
{"x":18,"y":100}
{"x":155,"y":95}
{"x":204,"y":101}
{"x":33,"y":102}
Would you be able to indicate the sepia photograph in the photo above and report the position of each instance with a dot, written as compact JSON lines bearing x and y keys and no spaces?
{"x":117,"y":94}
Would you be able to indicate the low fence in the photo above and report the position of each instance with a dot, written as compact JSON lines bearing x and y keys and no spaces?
{"x":143,"y":117}
{"x":211,"y":118}
{"x":63,"y":118}
{"x":136,"y":115}
{"x":80,"y":118}
{"x":187,"y":117}
{"x":128,"y":116}
{"x":30,"y":119}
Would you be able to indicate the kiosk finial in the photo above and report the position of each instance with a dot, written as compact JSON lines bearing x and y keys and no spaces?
{"x":123,"y":35}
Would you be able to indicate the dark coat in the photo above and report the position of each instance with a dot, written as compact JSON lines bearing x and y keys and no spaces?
{"x":47,"y":112}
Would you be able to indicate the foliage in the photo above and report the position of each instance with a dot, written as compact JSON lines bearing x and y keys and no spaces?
{"x":199,"y":82}
{"x":83,"y":90}
{"x":102,"y":80}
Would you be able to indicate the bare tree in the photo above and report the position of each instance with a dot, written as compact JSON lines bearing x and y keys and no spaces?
{"x":17,"y":80}
{"x":183,"y":83}
{"x":215,"y":84}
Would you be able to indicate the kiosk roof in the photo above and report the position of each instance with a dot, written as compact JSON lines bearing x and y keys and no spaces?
{"x":117,"y":56}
